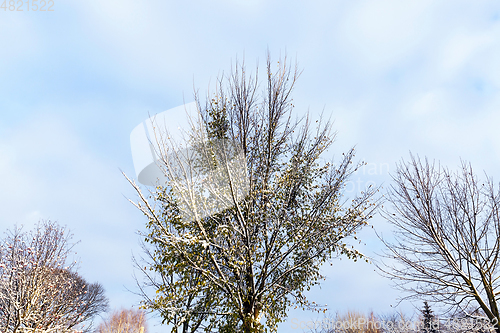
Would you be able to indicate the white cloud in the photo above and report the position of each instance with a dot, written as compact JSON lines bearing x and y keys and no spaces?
{"x":381,"y":33}
{"x":48,"y":173}
{"x":23,"y":40}
{"x":461,"y":48}
{"x":429,"y":104}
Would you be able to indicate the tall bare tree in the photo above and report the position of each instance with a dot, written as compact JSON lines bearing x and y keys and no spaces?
{"x":447,"y":237}
{"x":249,"y":216}
{"x":39,"y":290}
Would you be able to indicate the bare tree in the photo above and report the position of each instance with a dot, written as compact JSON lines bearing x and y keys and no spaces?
{"x":39,"y":290}
{"x":447,"y":237}
{"x":124,"y":321}
{"x":249,"y":216}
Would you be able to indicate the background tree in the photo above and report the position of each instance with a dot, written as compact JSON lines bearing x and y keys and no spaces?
{"x":124,"y":321}
{"x":429,"y":321}
{"x":39,"y":290}
{"x":261,"y":252}
{"x":447,"y":237}
{"x":349,"y":322}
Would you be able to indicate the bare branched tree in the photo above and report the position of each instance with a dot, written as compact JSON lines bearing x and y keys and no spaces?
{"x":447,"y":237}
{"x":39,"y":290}
{"x":124,"y":321}
{"x":249,"y":215}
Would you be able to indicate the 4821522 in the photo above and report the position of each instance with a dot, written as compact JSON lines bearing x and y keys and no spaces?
{"x":27,"y":5}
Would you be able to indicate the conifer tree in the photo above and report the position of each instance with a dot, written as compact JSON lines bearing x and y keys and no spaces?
{"x":430,"y":322}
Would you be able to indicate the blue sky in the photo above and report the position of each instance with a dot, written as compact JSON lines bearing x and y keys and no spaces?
{"x":395,"y":75}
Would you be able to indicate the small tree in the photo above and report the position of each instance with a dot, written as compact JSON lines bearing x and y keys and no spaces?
{"x":39,"y":290}
{"x":258,"y":254}
{"x":429,"y":321}
{"x":447,"y":237}
{"x":124,"y":321}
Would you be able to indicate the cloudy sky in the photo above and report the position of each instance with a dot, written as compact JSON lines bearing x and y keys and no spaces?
{"x":396,"y":76}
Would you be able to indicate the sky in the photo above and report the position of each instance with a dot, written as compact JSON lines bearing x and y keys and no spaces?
{"x":396,"y":76}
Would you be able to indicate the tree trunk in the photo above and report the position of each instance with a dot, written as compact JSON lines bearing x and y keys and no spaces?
{"x":251,"y":323}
